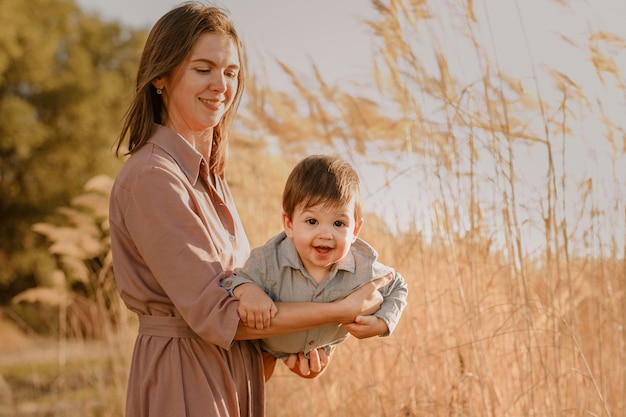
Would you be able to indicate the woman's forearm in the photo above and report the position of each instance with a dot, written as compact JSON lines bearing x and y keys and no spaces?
{"x":295,"y":317}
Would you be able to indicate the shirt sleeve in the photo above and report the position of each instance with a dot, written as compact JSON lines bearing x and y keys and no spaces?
{"x":180,"y":253}
{"x":394,"y":301}
{"x":254,"y":271}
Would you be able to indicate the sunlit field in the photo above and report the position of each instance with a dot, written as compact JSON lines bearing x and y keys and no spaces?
{"x":494,"y":183}
{"x":478,"y":338}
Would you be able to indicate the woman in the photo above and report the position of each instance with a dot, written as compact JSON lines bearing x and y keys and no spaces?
{"x":176,"y":233}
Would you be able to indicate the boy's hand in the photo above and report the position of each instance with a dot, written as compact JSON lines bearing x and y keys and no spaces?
{"x":256,"y":309}
{"x":366,"y":326}
{"x":308,"y":368}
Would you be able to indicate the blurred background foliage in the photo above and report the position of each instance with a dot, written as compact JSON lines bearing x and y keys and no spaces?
{"x":65,"y":79}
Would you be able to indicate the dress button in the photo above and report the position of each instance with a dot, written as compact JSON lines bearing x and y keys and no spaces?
{"x":228,"y":284}
{"x":311,"y":343}
{"x":232,"y":238}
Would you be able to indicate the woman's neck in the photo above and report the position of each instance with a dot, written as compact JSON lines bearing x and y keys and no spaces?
{"x":204,"y":147}
{"x":202,"y":141}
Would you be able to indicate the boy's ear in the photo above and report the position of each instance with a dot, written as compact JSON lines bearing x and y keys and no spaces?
{"x":287,"y":225}
{"x":357,"y":229}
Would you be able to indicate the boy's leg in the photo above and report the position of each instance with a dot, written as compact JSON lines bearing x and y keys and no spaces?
{"x":269,"y":363}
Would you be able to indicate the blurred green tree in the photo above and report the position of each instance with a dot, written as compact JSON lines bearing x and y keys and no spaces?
{"x":65,"y":80}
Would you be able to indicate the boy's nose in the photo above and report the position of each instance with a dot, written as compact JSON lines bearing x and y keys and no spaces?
{"x":325,"y":232}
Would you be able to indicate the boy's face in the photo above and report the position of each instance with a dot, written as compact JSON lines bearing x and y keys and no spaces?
{"x":322,"y":234}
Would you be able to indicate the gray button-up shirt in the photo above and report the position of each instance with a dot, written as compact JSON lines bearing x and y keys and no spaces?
{"x":277,"y":268}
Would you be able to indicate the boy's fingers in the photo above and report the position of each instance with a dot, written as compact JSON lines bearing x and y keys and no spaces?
{"x":260,"y":321}
{"x":257,"y":321}
{"x":243,"y":317}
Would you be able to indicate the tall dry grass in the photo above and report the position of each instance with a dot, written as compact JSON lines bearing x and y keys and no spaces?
{"x":475,"y":340}
{"x":514,"y":250}
{"x":479,"y":340}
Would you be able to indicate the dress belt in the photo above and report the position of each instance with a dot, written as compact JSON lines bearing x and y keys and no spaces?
{"x":165,"y":326}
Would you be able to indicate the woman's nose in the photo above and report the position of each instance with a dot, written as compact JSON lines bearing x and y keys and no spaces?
{"x":218,"y":82}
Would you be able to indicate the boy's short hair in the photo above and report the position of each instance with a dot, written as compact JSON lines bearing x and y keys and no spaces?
{"x":322,"y":179}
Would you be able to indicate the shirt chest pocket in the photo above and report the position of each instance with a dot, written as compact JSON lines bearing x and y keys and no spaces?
{"x":332,"y":294}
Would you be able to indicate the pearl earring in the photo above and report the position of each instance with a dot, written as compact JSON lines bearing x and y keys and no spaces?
{"x":159,"y":91}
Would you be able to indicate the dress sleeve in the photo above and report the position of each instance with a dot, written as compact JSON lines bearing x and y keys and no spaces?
{"x":163,"y":219}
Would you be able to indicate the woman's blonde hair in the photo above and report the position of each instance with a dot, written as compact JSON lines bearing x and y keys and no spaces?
{"x":169,"y":42}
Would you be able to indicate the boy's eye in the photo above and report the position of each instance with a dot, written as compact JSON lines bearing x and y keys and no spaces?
{"x":339,"y":223}
{"x":311,"y":221}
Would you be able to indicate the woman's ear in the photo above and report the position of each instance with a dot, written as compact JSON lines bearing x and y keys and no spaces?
{"x":158,"y":83}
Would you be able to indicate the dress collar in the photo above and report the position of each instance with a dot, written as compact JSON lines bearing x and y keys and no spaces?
{"x":181,"y":151}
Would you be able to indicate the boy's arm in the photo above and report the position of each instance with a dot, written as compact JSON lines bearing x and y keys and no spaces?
{"x":256,"y":308}
{"x":394,"y":302}
{"x":384,"y":321}
{"x":367,"y":326}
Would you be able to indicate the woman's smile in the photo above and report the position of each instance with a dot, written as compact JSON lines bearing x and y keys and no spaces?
{"x":212,"y":104}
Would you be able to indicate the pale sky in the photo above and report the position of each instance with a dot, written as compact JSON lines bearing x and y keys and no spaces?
{"x":297,"y":32}
{"x":331,"y":34}
{"x":523,"y":36}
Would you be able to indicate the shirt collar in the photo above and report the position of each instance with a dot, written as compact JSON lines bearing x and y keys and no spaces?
{"x":288,"y":256}
{"x":181,"y":151}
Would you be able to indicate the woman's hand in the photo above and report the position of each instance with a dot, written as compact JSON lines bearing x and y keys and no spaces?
{"x":256,"y":308}
{"x":309,"y":368}
{"x":365,"y":300}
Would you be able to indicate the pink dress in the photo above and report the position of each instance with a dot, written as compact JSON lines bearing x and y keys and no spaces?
{"x":174,"y":233}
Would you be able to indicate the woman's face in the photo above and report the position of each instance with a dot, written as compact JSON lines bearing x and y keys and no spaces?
{"x":202,"y":88}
